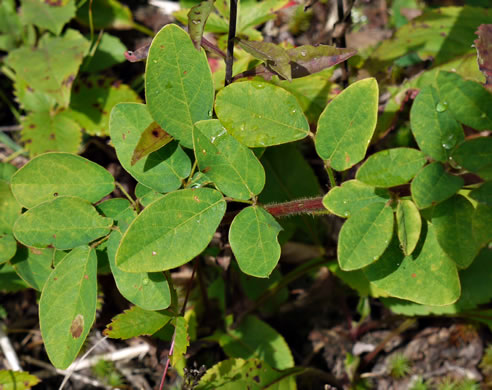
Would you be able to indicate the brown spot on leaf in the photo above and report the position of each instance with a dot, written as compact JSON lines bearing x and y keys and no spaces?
{"x":54,"y":3}
{"x":86,"y":277}
{"x":123,"y":136}
{"x":69,"y":80}
{"x":258,"y":366}
{"x":185,"y":72}
{"x":54,"y":235}
{"x":442,"y":34}
{"x":90,"y":85}
{"x":206,"y":169}
{"x":196,"y":199}
{"x":52,"y":136}
{"x":55,"y":194}
{"x":414,"y":275}
{"x":162,"y":46}
{"x":100,"y":82}
{"x":32,"y":126}
{"x":35,"y":251}
{"x":256,"y":378}
{"x":116,"y":84}
{"x":77,"y":326}
{"x":55,"y":278}
{"x":28,"y":141}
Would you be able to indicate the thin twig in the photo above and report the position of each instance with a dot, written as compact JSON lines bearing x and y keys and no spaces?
{"x":207,"y":44}
{"x":230,"y":41}
{"x":171,"y":350}
{"x":8,"y":350}
{"x":11,"y":128}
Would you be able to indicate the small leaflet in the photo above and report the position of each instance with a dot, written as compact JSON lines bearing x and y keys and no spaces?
{"x":139,"y":54}
{"x":153,"y":138}
{"x":197,"y":17}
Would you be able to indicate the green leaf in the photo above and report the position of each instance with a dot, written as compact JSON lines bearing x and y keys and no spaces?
{"x":30,"y":99}
{"x":178,"y":83}
{"x":171,"y":231}
{"x":347,"y":124}
{"x":475,"y":155}
{"x":64,"y":223}
{"x":428,"y":276}
{"x":312,"y":92}
{"x":92,"y":100}
{"x":253,"y":14}
{"x":152,"y":139}
{"x":67,"y":307}
{"x":52,"y":66}
{"x":10,"y":209}
{"x":469,"y":102}
{"x":433,"y":126}
{"x":254,"y":338}
{"x":253,"y":238}
{"x":483,"y":194}
{"x":481,"y":224}
{"x":252,"y":374}
{"x":146,"y":195}
{"x":260,"y":114}
{"x":105,"y":14}
{"x":409,"y":225}
{"x":43,"y":132}
{"x":17,"y":380}
{"x":136,"y":322}
{"x":9,"y":281}
{"x":118,"y":209}
{"x":391,"y":167}
{"x":197,"y":17}
{"x":453,"y":224}
{"x":365,"y":236}
{"x":34,"y":265}
{"x":49,"y":15}
{"x":181,"y":339}
{"x":50,"y":175}
{"x":162,"y":170}
{"x":475,"y":286}
{"x":109,"y":52}
{"x":6,"y":171}
{"x":440,"y":34}
{"x":230,"y":165}
{"x":433,"y":185}
{"x":8,"y":247}
{"x":353,"y":195}
{"x":150,"y":291}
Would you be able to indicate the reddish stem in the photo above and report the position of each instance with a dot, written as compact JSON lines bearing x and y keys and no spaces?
{"x":300,"y":206}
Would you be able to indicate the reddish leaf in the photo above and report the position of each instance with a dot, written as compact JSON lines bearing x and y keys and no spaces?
{"x":275,"y":57}
{"x":304,"y":60}
{"x":153,"y":138}
{"x":139,"y":54}
{"x":484,"y":52}
{"x":197,"y":17}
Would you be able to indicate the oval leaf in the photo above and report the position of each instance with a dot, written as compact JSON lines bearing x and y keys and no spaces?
{"x":260,"y":114}
{"x":428,"y":276}
{"x":391,"y":167}
{"x":178,"y":83}
{"x":475,"y":155}
{"x":453,"y":222}
{"x":171,"y":231}
{"x":483,"y":194}
{"x":50,"y":175}
{"x":469,"y":102}
{"x":433,"y":125}
{"x":197,"y":17}
{"x":67,"y":307}
{"x":34,"y":265}
{"x":409,"y":224}
{"x":10,"y":209}
{"x":352,"y":196}
{"x":364,"y":236}
{"x":253,"y":238}
{"x":433,"y":185}
{"x":347,"y":124}
{"x":161,"y":170}
{"x":230,"y":165}
{"x":63,"y":223}
{"x":8,"y":247}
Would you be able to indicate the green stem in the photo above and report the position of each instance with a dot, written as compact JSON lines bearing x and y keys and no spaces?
{"x":192,"y":173}
{"x":13,"y":155}
{"x":229,"y":199}
{"x":4,"y":138}
{"x":122,"y":189}
{"x":331,"y":175}
{"x":143,"y":29}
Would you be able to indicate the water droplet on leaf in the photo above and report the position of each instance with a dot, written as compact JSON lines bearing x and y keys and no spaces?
{"x":441,"y":106}
{"x":449,"y":141}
